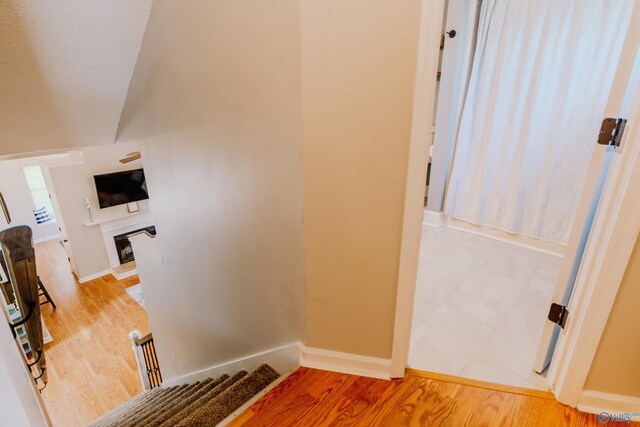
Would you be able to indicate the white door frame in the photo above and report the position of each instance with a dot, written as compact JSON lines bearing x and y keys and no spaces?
{"x":611,"y":242}
{"x":608,"y":250}
{"x":614,"y":235}
{"x":424,"y":104}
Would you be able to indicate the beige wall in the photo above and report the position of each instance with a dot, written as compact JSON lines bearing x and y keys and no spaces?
{"x":616,"y":367}
{"x":215,"y":105}
{"x":359,"y":60}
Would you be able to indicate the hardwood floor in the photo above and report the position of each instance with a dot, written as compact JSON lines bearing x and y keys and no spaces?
{"x":311,"y":397}
{"x":90,"y":361}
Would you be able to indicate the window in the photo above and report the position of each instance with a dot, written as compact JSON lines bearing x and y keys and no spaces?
{"x":43,"y":210}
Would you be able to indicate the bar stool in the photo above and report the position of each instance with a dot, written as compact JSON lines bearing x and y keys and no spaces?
{"x":43,"y":293}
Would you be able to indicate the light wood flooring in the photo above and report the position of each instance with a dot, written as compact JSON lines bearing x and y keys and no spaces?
{"x":311,"y":397}
{"x":90,"y":362}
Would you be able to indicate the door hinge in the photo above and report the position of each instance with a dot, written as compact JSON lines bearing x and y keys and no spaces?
{"x":611,"y":132}
{"x":558,"y":314}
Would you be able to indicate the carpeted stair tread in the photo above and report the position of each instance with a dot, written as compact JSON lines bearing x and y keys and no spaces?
{"x":204,"y":399}
{"x":164,"y":393}
{"x":133,"y":406}
{"x":150,"y":413}
{"x":203,"y":403}
{"x":141,"y":416}
{"x":129,"y":406}
{"x":137,"y":418}
{"x":184,"y":401}
{"x":231,"y":399}
{"x":158,"y":410}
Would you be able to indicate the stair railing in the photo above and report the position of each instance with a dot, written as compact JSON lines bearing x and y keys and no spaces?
{"x":145,"y":353}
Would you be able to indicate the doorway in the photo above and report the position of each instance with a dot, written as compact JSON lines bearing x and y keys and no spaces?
{"x":27,"y":196}
{"x":482,"y":293}
{"x":479,"y":307}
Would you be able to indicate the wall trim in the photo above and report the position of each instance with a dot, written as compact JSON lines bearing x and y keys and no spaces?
{"x":291,"y":356}
{"x":111,"y":271}
{"x":431,"y":23}
{"x":439,"y":219}
{"x":596,"y":402}
{"x":433,"y":219}
{"x":282,"y":359}
{"x":345,"y":363}
{"x":94,"y":276}
{"x":124,"y":275}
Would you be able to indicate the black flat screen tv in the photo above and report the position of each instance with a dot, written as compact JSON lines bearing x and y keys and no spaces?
{"x":119,"y":188}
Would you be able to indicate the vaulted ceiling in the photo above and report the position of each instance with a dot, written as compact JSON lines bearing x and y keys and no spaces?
{"x":65,"y":67}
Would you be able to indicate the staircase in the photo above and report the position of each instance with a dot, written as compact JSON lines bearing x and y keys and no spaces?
{"x":204,"y":403}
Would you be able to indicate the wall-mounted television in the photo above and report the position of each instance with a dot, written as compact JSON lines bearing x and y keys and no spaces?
{"x":119,"y":188}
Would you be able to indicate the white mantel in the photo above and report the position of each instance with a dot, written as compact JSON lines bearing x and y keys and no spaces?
{"x":143,"y":244}
{"x":121,"y":225}
{"x":115,"y":213}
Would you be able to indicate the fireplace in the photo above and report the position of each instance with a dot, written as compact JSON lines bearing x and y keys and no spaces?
{"x":123,"y":246}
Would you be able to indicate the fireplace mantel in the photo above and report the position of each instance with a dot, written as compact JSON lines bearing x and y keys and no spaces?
{"x":122,"y":225}
{"x":146,"y":245}
{"x":105,"y":220}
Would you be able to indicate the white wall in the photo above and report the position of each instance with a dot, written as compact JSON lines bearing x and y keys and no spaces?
{"x":215,"y":106}
{"x":17,"y":195}
{"x":72,"y":183}
{"x":66,"y":67}
{"x":20,"y":406}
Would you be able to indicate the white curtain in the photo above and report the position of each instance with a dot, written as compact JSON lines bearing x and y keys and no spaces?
{"x":541,"y":76}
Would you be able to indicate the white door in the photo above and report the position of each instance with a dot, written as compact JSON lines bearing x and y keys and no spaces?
{"x":624,"y":89}
{"x":457,"y":57}
{"x":64,"y":239}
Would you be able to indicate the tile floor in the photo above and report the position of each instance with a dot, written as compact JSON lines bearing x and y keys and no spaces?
{"x":480,"y":307}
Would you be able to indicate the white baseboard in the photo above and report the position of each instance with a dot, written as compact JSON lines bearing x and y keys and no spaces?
{"x":438,"y":219}
{"x":521,"y":240}
{"x":110,"y":271}
{"x":597,"y":402}
{"x":434,"y":219}
{"x":47,"y":238}
{"x":90,"y":277}
{"x":257,"y":397}
{"x":282,"y":359}
{"x":346,"y":363}
{"x":124,"y":275}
